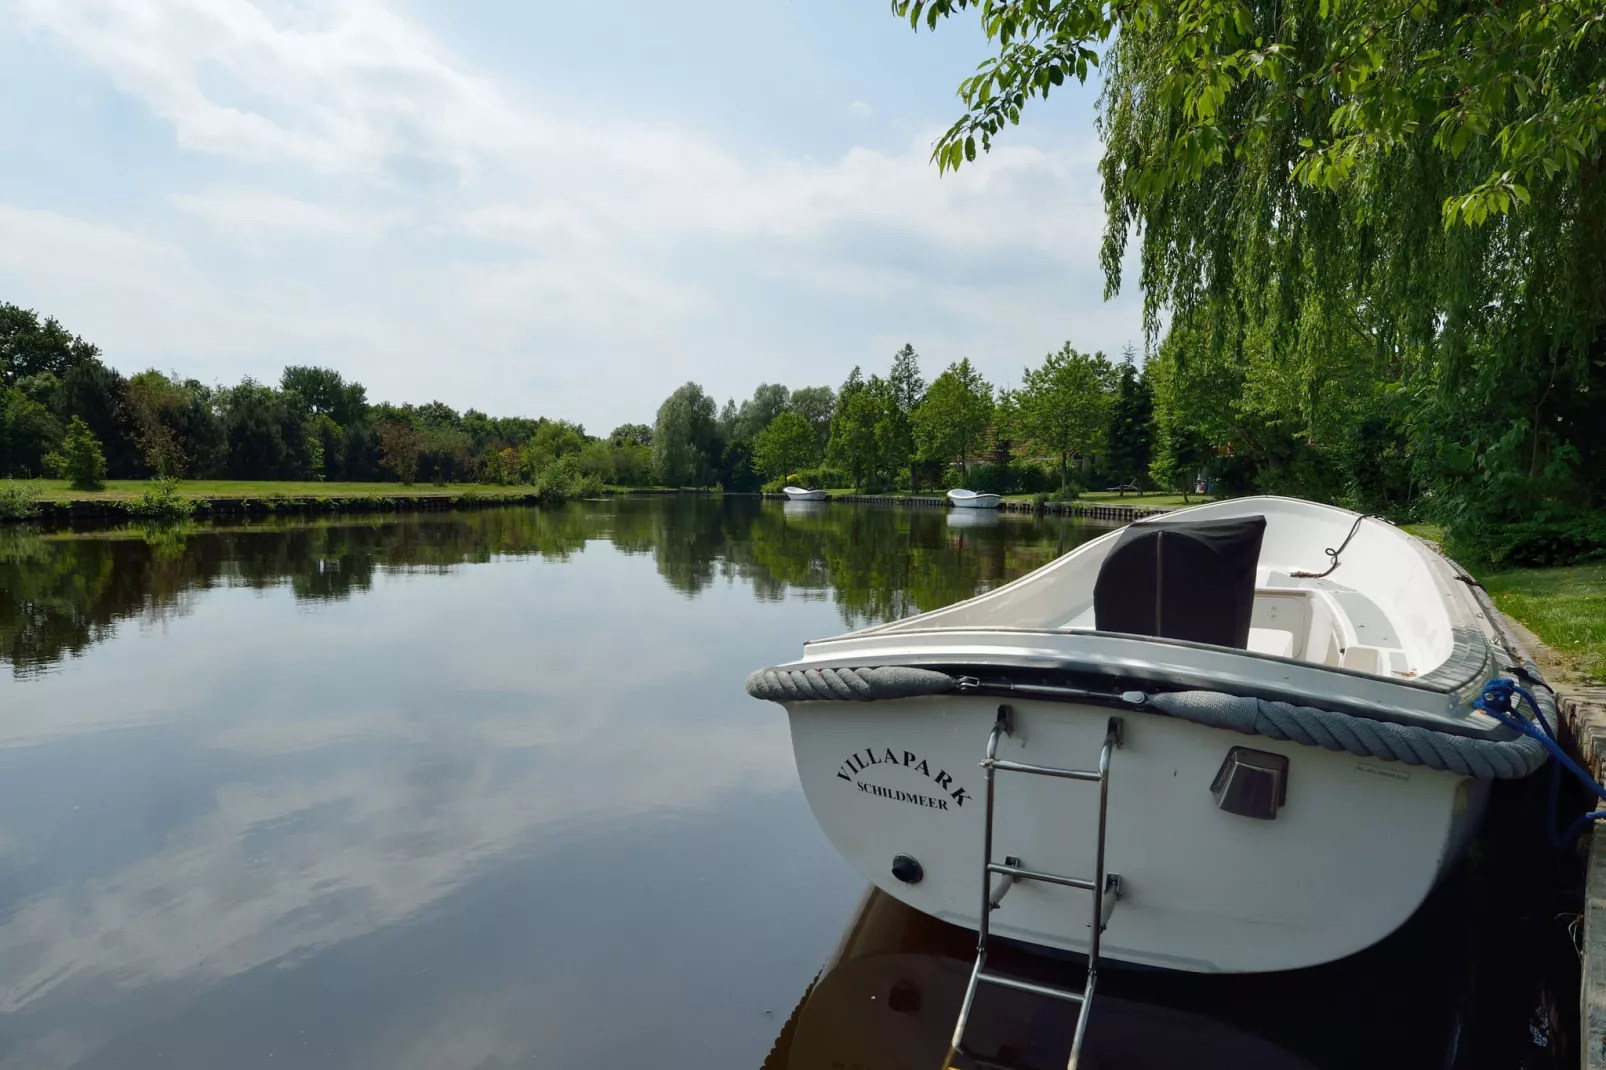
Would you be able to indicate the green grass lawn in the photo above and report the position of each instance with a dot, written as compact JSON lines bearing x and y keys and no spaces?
{"x":58,"y":490}
{"x":1565,"y":607}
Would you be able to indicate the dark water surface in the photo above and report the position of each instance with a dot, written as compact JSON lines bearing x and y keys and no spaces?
{"x":483,"y":790}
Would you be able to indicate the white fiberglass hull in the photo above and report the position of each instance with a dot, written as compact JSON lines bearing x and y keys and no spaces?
{"x":800,"y":494}
{"x":967,"y":499}
{"x":1350,"y":856}
{"x":1382,"y":644}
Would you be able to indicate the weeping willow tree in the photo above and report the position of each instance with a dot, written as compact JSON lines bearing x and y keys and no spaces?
{"x":1376,"y":231}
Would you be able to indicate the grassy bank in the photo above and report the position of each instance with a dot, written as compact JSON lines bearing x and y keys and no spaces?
{"x":1565,"y":607}
{"x":57,"y":490}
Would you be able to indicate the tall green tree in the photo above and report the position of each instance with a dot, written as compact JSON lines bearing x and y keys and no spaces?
{"x":327,"y":393}
{"x":769,"y":400}
{"x":1130,"y":440}
{"x":908,"y":390}
{"x":29,"y":345}
{"x":1063,"y":404}
{"x":951,"y":421}
{"x":816,"y":404}
{"x":685,"y":441}
{"x":787,"y":445}
{"x":864,"y":430}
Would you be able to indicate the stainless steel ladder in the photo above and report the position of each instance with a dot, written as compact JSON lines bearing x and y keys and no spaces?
{"x":1106,"y":887}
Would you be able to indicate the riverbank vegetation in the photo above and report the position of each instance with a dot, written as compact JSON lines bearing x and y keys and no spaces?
{"x":65,"y":413}
{"x":1372,"y":242}
{"x":1565,"y":607}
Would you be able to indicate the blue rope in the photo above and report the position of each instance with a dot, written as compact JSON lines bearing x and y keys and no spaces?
{"x":1498,"y":701}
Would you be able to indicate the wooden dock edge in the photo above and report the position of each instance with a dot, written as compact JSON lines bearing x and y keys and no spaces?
{"x":1582,"y":706}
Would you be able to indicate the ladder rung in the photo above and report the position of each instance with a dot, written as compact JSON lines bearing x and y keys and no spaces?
{"x":1002,"y":766}
{"x":1027,"y":986}
{"x":1034,"y":875}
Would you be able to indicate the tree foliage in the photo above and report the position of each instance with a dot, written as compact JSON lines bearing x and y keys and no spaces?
{"x":1063,"y":404}
{"x":1130,"y":440}
{"x":1384,"y":225}
{"x":953,"y":417}
{"x":685,"y":438}
{"x":787,"y":445}
{"x":80,"y":460}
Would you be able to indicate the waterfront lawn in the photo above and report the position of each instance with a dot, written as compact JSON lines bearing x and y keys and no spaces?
{"x":125,"y":489}
{"x":1565,"y":607}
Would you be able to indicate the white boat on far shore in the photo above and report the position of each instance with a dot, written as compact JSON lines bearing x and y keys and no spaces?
{"x":800,"y":494}
{"x":970,"y":499}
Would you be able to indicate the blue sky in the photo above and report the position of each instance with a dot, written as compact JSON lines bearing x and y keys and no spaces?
{"x":534,"y":208}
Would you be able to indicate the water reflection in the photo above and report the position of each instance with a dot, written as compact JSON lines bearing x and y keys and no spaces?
{"x":482,"y":790}
{"x":446,"y":790}
{"x":63,"y":591}
{"x":1440,"y":992}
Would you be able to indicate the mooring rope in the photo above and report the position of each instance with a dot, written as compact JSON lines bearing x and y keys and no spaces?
{"x":1483,"y":759}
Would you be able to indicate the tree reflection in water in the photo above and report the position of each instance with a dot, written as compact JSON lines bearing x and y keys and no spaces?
{"x":62,"y":591}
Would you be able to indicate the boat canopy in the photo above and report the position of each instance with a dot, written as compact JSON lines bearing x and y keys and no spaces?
{"x":1193,"y":581}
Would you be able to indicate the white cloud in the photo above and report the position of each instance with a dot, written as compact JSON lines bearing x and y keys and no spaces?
{"x":395,"y":204}
{"x":860,"y":108}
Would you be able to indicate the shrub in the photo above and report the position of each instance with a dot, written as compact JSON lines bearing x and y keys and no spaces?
{"x":18,"y":499}
{"x":1537,"y":543}
{"x":821,"y":478}
{"x":162,"y":501}
{"x":80,"y":460}
{"x":562,"y":480}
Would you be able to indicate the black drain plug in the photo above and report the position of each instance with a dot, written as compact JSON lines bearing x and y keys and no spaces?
{"x":907,"y":869}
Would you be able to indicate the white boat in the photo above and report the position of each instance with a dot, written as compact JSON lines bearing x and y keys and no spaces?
{"x":970,"y":499}
{"x":1242,"y":737}
{"x":800,"y":494}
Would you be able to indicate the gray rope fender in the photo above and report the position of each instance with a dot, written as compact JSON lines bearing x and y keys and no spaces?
{"x":1482,"y":759}
{"x":853,"y":685}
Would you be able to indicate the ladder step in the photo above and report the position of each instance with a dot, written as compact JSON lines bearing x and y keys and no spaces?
{"x":1034,"y":875}
{"x":1027,"y":986}
{"x":1002,"y":766}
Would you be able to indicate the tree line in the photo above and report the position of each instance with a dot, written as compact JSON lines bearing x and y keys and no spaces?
{"x":1075,"y":417}
{"x":64,"y":411}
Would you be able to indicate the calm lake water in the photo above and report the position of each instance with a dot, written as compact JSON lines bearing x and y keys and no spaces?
{"x":483,"y":790}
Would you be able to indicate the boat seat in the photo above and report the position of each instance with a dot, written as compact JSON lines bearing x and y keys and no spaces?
{"x":1192,"y":580}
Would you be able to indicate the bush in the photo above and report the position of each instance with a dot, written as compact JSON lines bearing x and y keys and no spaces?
{"x":819,"y":478}
{"x":80,"y":460}
{"x":1536,"y":543}
{"x":18,"y":499}
{"x":162,"y":501}
{"x":562,"y":480}
{"x":1031,"y":477}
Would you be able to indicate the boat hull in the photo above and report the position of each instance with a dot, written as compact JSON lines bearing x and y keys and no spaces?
{"x":1349,"y":857}
{"x":968,"y":500}
{"x":799,"y":494}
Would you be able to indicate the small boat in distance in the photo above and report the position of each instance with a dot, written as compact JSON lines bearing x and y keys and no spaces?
{"x":970,"y":499}
{"x":799,"y":494}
